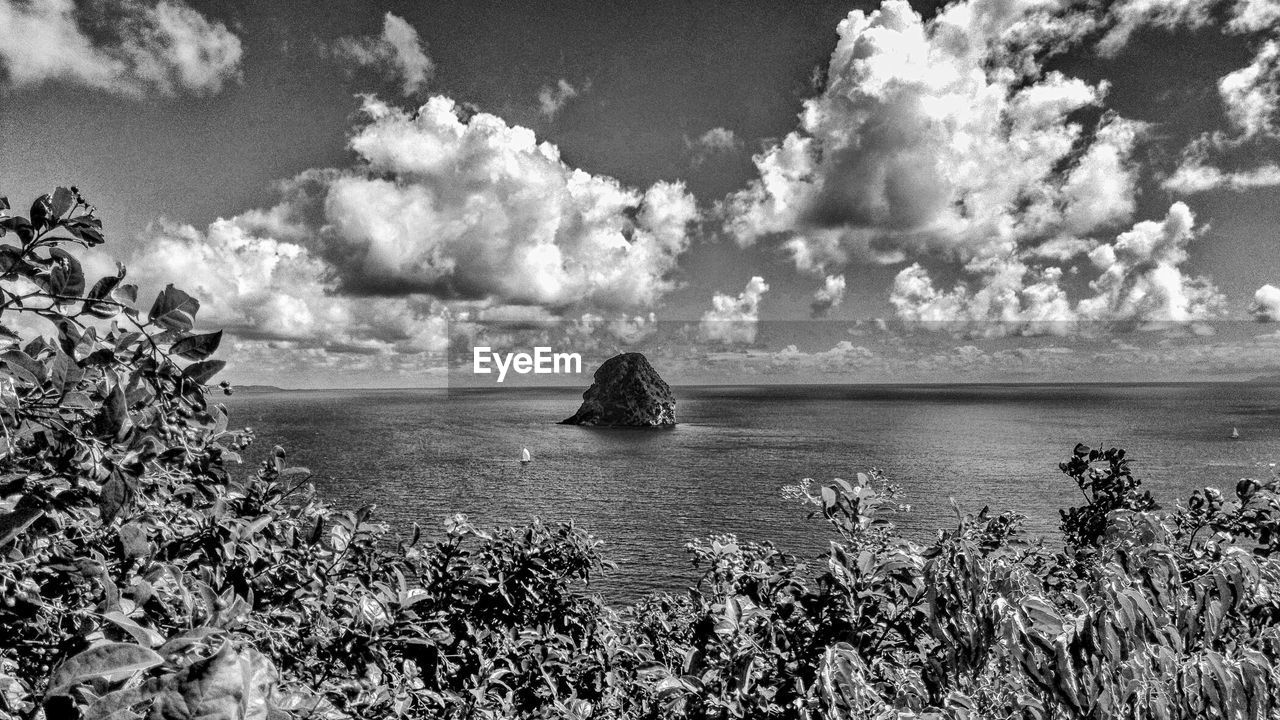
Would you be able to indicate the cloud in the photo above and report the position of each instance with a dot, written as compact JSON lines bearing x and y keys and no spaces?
{"x":931,"y":137}
{"x":1127,"y":16}
{"x":1251,"y":16}
{"x":551,"y":100}
{"x":733,"y":320}
{"x":1195,"y":176}
{"x":398,"y":50}
{"x":1251,"y":95}
{"x":1139,"y":280}
{"x":471,"y":208}
{"x":132,"y":48}
{"x":946,"y":144}
{"x":1266,"y":304}
{"x":1250,"y":98}
{"x":1141,"y":277}
{"x":828,"y":296}
{"x":443,"y":216}
{"x":261,"y":288}
{"x":716,"y":141}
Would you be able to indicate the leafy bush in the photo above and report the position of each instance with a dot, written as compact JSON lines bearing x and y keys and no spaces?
{"x":140,"y":578}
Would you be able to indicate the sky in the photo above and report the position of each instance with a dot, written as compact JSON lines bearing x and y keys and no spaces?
{"x":751,"y":191}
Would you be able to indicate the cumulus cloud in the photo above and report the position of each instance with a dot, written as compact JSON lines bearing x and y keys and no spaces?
{"x":1250,"y":98}
{"x":733,"y":320}
{"x":1266,"y":304}
{"x":472,"y":208}
{"x":551,"y":100}
{"x":716,"y":141}
{"x":1250,"y":16}
{"x":398,"y":51}
{"x":131,"y":48}
{"x":1139,"y":280}
{"x":443,"y":214}
{"x":828,"y":296}
{"x":262,"y":288}
{"x":946,"y":144}
{"x":1251,"y":95}
{"x":1141,"y":277}
{"x":918,"y":145}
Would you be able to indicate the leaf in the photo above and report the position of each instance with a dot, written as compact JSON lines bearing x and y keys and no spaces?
{"x":77,"y":401}
{"x":226,"y":686}
{"x":64,"y":374}
{"x":174,"y":309}
{"x":180,"y":643}
{"x":197,"y":347}
{"x":9,"y":255}
{"x":133,"y":540}
{"x":111,"y":660}
{"x":41,"y":210}
{"x":113,"y":419}
{"x":112,"y":497}
{"x":255,"y":527}
{"x":340,"y":538}
{"x":23,"y":366}
{"x":12,"y":524}
{"x":204,"y":370}
{"x":100,"y":291}
{"x":115,"y":704}
{"x":61,"y":202}
{"x":19,"y":225}
{"x":126,"y":294}
{"x":144,"y":636}
{"x":66,"y":277}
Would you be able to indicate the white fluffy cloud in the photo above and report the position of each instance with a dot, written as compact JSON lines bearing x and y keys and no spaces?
{"x":163,"y":48}
{"x":733,"y":320}
{"x":1250,"y":98}
{"x":830,"y":295}
{"x":441,"y":210}
{"x":1254,"y":16}
{"x":945,"y":143}
{"x":716,"y":141}
{"x":1195,"y":176}
{"x":262,"y":288}
{"x":551,"y":100}
{"x":1139,"y":279}
{"x":398,"y":50}
{"x":1251,"y":95}
{"x":918,"y":144}
{"x":473,"y":208}
{"x":1266,"y":304}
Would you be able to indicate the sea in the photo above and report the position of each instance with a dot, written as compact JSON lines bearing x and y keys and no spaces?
{"x":423,"y":455}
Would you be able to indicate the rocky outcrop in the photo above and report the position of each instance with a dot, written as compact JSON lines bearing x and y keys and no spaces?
{"x":627,"y":392}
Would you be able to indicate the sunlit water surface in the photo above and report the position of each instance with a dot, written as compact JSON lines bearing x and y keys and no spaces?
{"x":422,"y":455}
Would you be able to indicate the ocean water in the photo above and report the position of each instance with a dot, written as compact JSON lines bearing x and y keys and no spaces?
{"x":422,"y":455}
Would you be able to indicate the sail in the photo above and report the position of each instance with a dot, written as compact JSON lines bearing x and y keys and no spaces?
{"x":525,"y":456}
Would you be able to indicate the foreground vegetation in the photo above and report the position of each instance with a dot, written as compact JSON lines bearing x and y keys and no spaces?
{"x":140,"y":578}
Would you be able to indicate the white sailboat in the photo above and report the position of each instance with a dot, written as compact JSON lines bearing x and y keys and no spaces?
{"x":525,"y":457}
{"x":1235,"y":434}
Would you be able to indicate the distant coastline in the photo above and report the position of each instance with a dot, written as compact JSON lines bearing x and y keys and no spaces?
{"x":258,"y":389}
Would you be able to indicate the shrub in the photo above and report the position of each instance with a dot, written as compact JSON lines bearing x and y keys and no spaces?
{"x":140,"y":578}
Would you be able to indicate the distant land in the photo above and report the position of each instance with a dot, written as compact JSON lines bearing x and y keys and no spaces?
{"x":250,"y":389}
